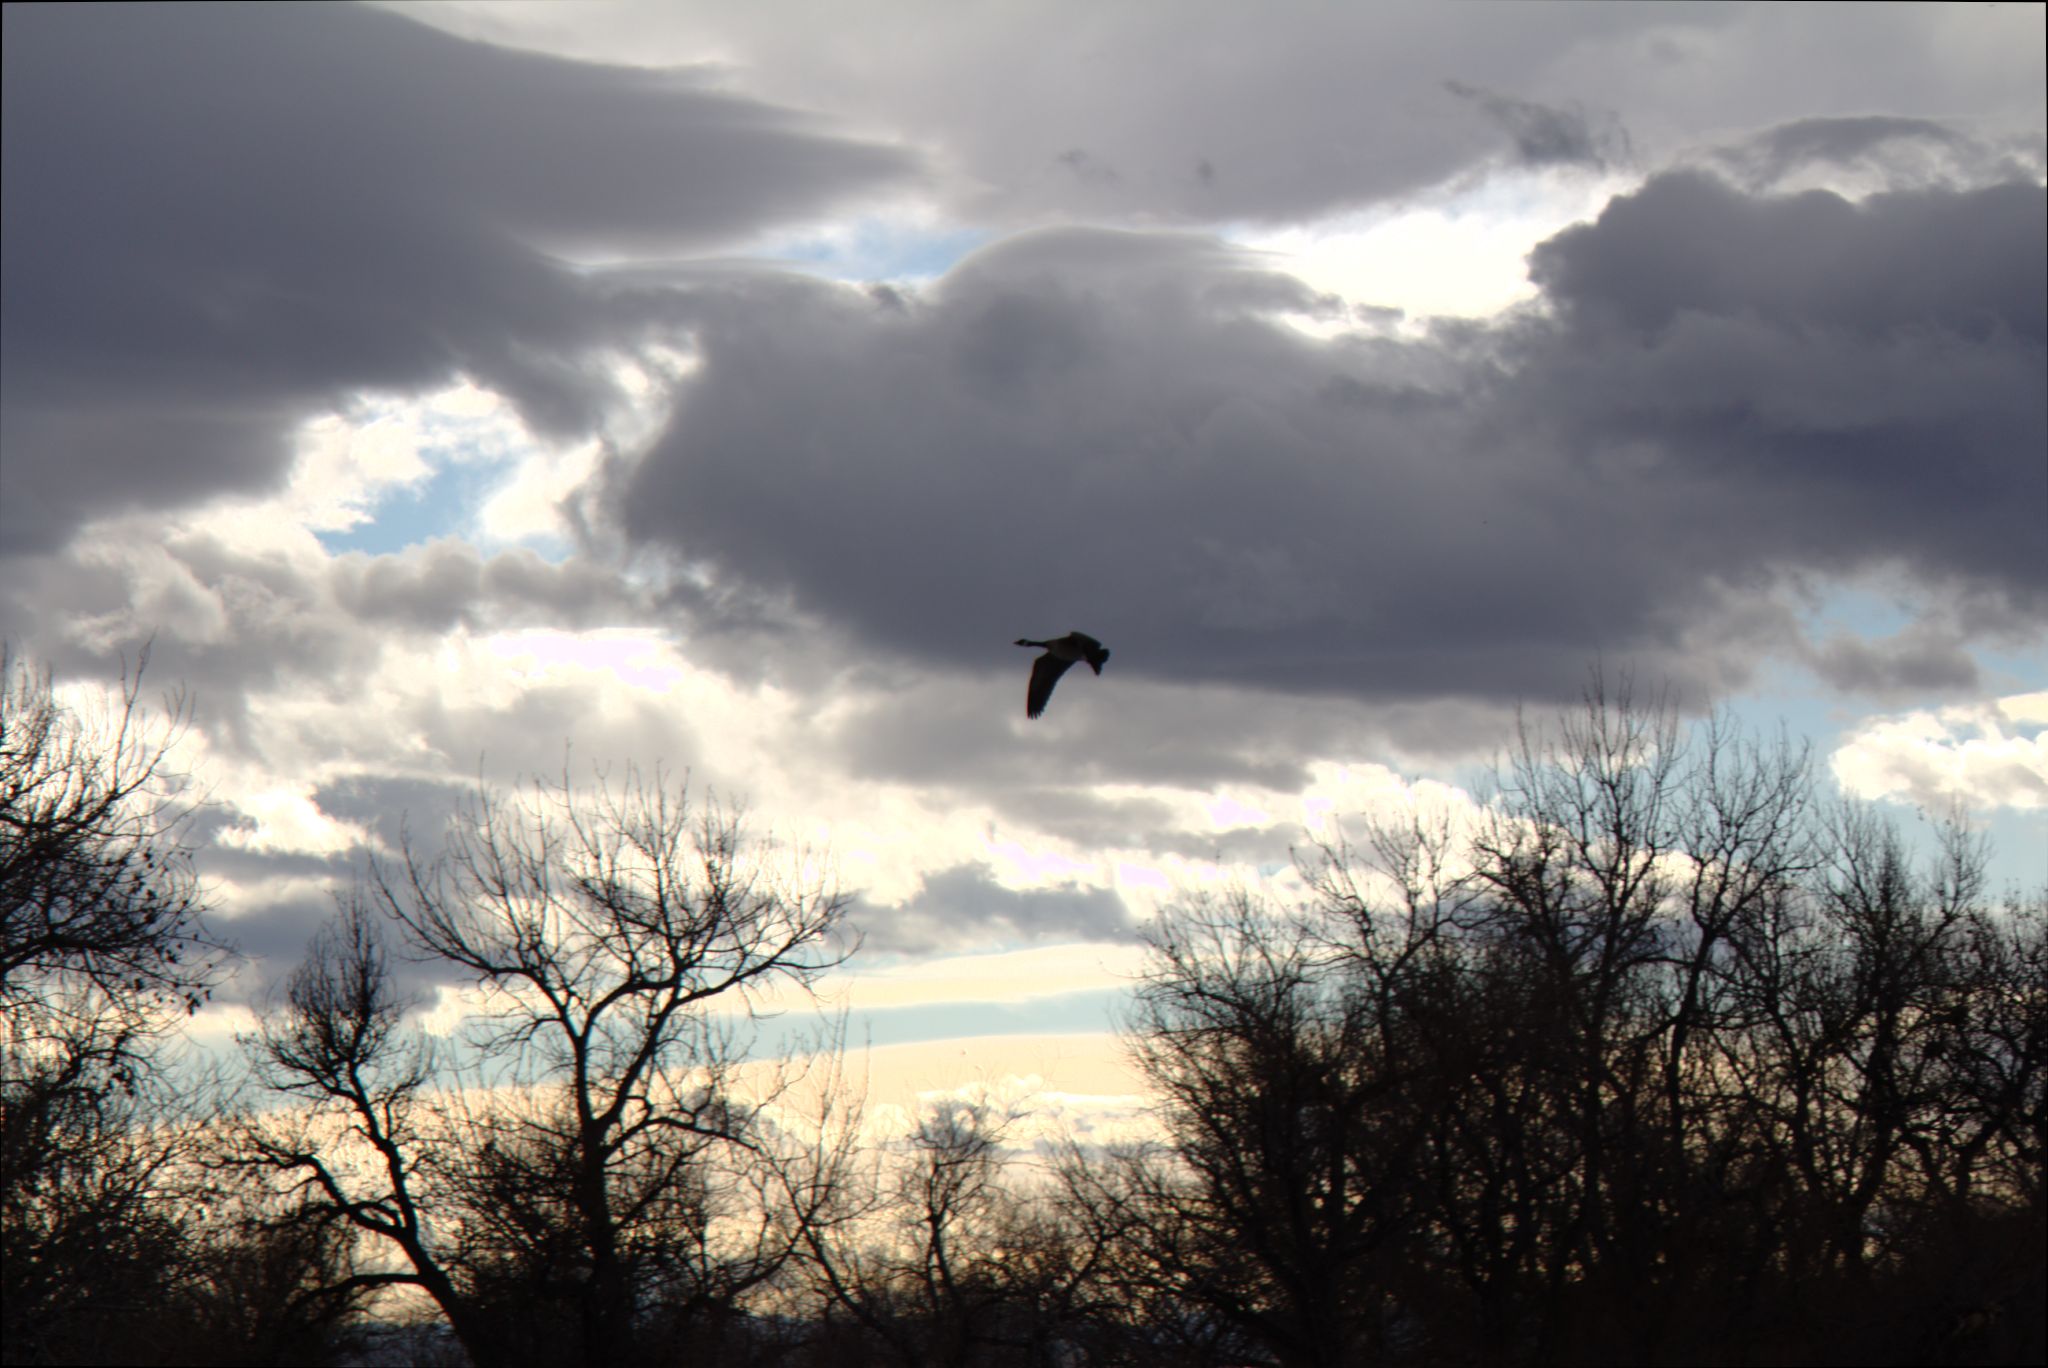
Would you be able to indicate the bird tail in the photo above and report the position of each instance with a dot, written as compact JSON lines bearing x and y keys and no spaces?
{"x":1021,"y":641}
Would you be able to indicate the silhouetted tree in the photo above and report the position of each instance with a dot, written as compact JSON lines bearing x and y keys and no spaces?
{"x":96,"y":884}
{"x":935,"y":1255}
{"x":100,"y":944}
{"x":606,"y":1178}
{"x":1294,"y":1196}
{"x":1660,"y":1060}
{"x":349,"y":1143}
{"x":91,"y":1245}
{"x":262,"y":1286}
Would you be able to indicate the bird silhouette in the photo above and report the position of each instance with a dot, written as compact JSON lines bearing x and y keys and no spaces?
{"x":1060,"y":652}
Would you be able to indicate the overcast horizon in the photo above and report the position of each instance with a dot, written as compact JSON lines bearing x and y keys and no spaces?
{"x":471,"y":390}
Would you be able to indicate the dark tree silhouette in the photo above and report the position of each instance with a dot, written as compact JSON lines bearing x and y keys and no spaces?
{"x":931,"y":1253}
{"x":1662,"y":1060}
{"x":353,"y":1077}
{"x":1655,"y":1057}
{"x":96,"y":884}
{"x":608,"y":1173}
{"x":100,"y":943}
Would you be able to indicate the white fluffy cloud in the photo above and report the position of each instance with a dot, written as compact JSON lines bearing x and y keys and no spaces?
{"x":1986,"y":755}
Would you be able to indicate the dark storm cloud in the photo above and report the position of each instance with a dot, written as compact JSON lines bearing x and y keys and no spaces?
{"x":222,"y":218}
{"x":272,"y":930}
{"x":1141,"y":115}
{"x":965,"y":906}
{"x":282,"y":900}
{"x":1904,"y":150}
{"x":1301,"y":110}
{"x":1090,"y":169}
{"x":1959,"y":264}
{"x":1113,"y":432}
{"x":1549,"y":136}
{"x":1927,"y":658}
{"x":1823,"y":383}
{"x":394,"y":809}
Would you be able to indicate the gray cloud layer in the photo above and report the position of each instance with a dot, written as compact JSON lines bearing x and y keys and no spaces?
{"x":220,"y":218}
{"x":1210,"y":110}
{"x":1115,"y":432}
{"x":1903,"y":152}
{"x":221,"y":221}
{"x":965,"y":904}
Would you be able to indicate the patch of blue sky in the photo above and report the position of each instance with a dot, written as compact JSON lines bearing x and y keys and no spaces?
{"x":1788,"y":697}
{"x":1861,"y":610}
{"x":1812,"y":714}
{"x":2015,"y":668}
{"x":1792,"y":693}
{"x":1787,"y":694}
{"x":1089,"y":1012}
{"x":879,"y":249}
{"x":2019,"y":852}
{"x":442,"y":505}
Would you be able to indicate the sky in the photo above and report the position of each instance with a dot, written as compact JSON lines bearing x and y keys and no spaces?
{"x":466,"y":391}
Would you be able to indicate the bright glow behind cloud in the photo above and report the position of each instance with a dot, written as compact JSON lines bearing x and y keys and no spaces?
{"x":1457,"y":254}
{"x":1012,"y":976}
{"x":286,"y":821}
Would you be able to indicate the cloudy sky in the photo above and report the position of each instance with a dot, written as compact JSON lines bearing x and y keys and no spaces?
{"x":444,"y":388}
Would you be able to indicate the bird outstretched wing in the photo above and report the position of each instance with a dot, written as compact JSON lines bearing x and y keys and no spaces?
{"x":1045,"y":672}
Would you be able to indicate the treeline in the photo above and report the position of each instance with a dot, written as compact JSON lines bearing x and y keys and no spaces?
{"x":1659,"y":1058}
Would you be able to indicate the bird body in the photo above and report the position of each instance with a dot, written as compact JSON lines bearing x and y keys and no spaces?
{"x":1060,"y":652}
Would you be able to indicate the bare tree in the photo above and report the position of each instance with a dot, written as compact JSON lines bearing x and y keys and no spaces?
{"x":1662,"y":1060}
{"x":939,"y":1256}
{"x":1992,"y":1075}
{"x":349,"y":1144}
{"x":1293,"y":1192}
{"x":603,"y":934}
{"x":100,"y":942}
{"x":96,"y":884}
{"x":90,"y":1244}
{"x":123,"y":1245}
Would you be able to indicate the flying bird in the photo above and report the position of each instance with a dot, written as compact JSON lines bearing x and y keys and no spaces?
{"x":1060,"y":652}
